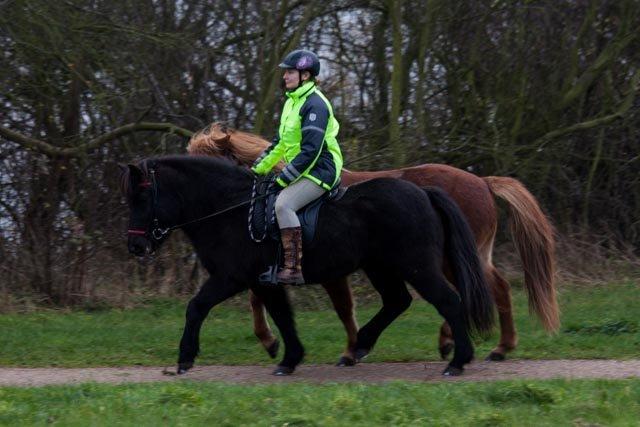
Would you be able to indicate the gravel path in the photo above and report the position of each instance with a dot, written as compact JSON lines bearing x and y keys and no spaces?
{"x":364,"y":372}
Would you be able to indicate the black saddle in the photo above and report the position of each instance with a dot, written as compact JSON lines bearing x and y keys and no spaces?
{"x":263,"y":223}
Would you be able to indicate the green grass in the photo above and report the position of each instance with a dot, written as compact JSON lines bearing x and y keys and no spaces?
{"x":522,"y":403}
{"x":598,"y":322}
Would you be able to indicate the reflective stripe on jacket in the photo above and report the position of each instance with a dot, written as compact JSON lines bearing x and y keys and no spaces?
{"x":306,"y":140}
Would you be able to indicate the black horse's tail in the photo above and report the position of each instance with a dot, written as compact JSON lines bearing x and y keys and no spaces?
{"x":462,"y":254}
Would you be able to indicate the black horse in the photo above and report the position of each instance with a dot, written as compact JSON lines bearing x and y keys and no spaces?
{"x":393,"y":230}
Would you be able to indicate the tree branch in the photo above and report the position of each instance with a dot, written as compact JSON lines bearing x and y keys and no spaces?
{"x":53,"y":151}
{"x":606,"y":57}
{"x":589,"y":124}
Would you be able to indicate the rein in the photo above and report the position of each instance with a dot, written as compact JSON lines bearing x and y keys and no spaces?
{"x":157,"y":233}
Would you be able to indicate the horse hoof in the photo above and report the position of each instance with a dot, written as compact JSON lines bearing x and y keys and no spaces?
{"x":361,"y":353}
{"x":452,"y":371}
{"x":494,"y":356}
{"x":184,"y":367}
{"x":346,"y":361}
{"x":273,"y":349}
{"x":283,"y":371}
{"x":445,"y":350}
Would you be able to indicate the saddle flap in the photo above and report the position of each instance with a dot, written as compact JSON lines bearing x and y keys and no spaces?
{"x":308,"y":215}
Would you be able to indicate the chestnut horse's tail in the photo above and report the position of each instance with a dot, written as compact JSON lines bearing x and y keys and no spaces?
{"x":462,"y":254}
{"x":533,"y":235}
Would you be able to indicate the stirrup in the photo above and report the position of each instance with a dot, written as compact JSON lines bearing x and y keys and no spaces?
{"x":269,"y":277}
{"x":299,"y":280}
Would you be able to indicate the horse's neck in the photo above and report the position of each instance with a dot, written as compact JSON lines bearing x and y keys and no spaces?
{"x":219,"y":215}
{"x":204,"y":192}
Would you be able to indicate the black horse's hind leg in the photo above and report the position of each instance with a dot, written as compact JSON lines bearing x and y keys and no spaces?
{"x":395,"y":300}
{"x":211,"y":293}
{"x":436,"y":290}
{"x":277,"y":303}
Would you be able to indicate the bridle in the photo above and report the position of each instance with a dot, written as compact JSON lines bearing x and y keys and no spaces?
{"x":158,"y":233}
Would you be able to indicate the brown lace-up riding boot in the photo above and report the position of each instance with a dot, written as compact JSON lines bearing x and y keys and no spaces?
{"x":292,"y":244}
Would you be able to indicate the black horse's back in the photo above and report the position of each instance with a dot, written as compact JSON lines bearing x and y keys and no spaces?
{"x":385,"y":221}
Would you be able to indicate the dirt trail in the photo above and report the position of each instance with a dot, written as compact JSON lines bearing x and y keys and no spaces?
{"x":364,"y":372}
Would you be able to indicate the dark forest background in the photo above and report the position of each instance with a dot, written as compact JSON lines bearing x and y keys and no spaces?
{"x":544,"y":91}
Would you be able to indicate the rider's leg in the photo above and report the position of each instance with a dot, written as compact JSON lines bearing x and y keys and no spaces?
{"x":290,"y":200}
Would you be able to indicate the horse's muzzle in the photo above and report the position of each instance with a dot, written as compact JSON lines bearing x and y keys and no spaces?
{"x":139,"y":245}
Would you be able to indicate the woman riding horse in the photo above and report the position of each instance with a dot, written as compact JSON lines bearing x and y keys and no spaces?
{"x":307,"y":141}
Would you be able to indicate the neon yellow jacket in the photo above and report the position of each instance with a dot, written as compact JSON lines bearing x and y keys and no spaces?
{"x":306,"y":140}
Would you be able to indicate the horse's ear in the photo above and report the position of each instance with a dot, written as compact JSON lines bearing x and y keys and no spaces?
{"x":227,"y":149}
{"x":130,"y":176}
{"x":135,"y":173}
{"x":225,"y":142}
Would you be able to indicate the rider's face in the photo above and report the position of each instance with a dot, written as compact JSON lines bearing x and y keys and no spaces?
{"x":292,"y":78}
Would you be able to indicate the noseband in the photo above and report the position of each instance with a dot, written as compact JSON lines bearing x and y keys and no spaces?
{"x":157,"y":232}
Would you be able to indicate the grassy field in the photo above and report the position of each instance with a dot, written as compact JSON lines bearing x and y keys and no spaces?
{"x":522,"y":403}
{"x":598,"y":322}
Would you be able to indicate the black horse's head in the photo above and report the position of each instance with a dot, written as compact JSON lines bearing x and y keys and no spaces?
{"x":149,"y":214}
{"x":166,"y":193}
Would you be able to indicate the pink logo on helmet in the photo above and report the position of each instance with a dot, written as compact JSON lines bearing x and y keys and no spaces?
{"x":303,"y":62}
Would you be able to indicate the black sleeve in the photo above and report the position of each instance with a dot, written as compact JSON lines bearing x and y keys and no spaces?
{"x":314,"y":116}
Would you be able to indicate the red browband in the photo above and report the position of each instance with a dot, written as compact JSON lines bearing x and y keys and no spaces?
{"x":137,"y":231}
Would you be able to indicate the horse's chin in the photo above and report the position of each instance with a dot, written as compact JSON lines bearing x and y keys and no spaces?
{"x":148,"y":255}
{"x":146,"y":259}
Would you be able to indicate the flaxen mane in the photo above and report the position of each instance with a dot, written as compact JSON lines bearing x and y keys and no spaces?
{"x":218,"y":140}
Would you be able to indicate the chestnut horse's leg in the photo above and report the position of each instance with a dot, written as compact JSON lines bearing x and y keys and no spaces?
{"x":261,"y":327}
{"x":502,"y":296}
{"x":342,"y":299}
{"x":340,"y":294}
{"x":501,"y":292}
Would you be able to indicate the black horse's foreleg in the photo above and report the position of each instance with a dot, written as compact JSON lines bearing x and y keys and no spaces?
{"x":277,"y":303}
{"x":211,"y":293}
{"x":395,"y":300}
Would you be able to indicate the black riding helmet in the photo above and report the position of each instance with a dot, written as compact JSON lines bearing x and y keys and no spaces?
{"x":302,"y":60}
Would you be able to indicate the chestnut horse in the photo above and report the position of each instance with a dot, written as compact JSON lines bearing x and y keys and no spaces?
{"x":531,"y":232}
